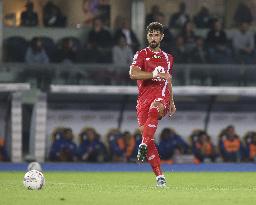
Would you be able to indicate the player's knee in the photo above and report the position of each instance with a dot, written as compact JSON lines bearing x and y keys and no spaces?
{"x":157,"y":109}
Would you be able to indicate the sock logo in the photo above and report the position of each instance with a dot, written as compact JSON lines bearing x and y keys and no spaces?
{"x":150,"y":125}
{"x":151,"y":157}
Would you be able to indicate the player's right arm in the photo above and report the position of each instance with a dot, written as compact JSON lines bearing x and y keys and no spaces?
{"x":137,"y":74}
{"x":137,"y":68}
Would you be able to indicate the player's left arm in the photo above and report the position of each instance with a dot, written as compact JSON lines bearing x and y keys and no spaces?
{"x":168,"y":77}
{"x":172,"y":104}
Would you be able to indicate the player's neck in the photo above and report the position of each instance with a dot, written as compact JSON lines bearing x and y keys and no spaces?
{"x":157,"y":49}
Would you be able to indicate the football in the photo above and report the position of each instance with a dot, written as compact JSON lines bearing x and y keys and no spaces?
{"x":34,"y":166}
{"x":34,"y":180}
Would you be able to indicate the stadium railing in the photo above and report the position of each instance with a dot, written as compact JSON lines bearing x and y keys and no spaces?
{"x":41,"y":76}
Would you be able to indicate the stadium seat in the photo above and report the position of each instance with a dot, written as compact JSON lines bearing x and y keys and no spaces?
{"x":15,"y":49}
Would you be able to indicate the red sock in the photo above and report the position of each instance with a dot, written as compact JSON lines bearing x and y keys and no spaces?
{"x":150,"y":126}
{"x":148,"y":138}
{"x":153,"y":158}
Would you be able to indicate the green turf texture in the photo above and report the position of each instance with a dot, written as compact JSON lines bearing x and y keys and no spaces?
{"x":117,"y":188}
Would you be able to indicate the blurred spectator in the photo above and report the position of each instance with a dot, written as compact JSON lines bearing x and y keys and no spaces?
{"x":178,"y":19}
{"x":122,"y":54}
{"x":115,"y":144}
{"x":52,"y":16}
{"x":91,"y":149}
{"x":203,"y":18}
{"x":98,"y":36}
{"x":129,"y":146}
{"x":151,"y":17}
{"x":199,"y":54}
{"x":167,"y":42}
{"x":203,"y":148}
{"x":67,"y":52}
{"x":129,"y":35}
{"x":243,"y":44}
{"x":36,"y":53}
{"x":170,"y":142}
{"x":3,"y":151}
{"x":250,"y":146}
{"x":63,"y":148}
{"x":99,"y":42}
{"x":218,"y":44}
{"x":29,"y":17}
{"x":180,"y":53}
{"x":189,"y":36}
{"x":243,"y":14}
{"x":230,"y":145}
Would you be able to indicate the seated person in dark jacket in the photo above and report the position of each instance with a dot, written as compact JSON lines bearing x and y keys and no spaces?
{"x":169,"y":142}
{"x":199,"y":53}
{"x":29,"y":17}
{"x":91,"y":149}
{"x":217,"y":43}
{"x":67,"y":52}
{"x":52,"y":16}
{"x":115,"y":144}
{"x":203,"y":18}
{"x":180,"y":53}
{"x":178,"y":19}
{"x":63,"y":148}
{"x":100,"y":39}
{"x":128,"y":33}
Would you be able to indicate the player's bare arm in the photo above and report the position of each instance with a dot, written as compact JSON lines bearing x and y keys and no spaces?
{"x":137,"y":74}
{"x":168,"y":77}
{"x":172,"y":104}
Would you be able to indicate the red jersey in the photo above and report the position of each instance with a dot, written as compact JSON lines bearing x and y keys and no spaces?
{"x":148,"y":60}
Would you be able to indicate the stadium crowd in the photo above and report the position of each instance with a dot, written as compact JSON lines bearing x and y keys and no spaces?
{"x":120,"y":146}
{"x":183,"y":38}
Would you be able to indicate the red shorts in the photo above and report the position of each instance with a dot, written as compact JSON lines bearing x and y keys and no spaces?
{"x":143,"y":107}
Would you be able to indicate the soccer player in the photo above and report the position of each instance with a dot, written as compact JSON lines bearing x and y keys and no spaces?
{"x":152,"y":68}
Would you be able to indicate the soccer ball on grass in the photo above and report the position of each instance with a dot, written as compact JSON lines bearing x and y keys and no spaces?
{"x":34,"y":180}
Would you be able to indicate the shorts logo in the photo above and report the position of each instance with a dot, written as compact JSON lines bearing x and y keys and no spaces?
{"x":151,"y":157}
{"x":149,"y":125}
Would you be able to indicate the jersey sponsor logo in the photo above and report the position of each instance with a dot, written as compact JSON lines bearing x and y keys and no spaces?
{"x":156,"y":56}
{"x":147,"y":59}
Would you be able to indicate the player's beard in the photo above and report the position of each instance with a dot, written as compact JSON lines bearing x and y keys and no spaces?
{"x":153,"y":44}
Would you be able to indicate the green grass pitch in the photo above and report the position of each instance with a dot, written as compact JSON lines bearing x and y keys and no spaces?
{"x":116,"y":188}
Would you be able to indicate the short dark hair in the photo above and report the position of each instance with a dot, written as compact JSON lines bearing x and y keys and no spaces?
{"x":155,"y":26}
